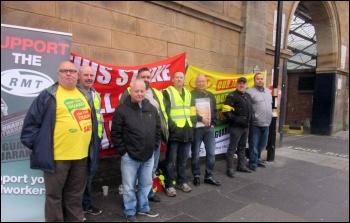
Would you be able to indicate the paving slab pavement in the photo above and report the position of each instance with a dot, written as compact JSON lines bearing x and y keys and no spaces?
{"x":298,"y":186}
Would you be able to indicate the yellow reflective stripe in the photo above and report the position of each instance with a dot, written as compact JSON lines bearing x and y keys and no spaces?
{"x":178,"y":116}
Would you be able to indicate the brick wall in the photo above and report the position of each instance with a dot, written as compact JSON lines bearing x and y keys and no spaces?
{"x":299,"y":104}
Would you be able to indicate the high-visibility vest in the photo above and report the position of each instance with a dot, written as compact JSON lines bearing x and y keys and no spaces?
{"x":97,"y":104}
{"x":180,"y":109}
{"x":160,"y":99}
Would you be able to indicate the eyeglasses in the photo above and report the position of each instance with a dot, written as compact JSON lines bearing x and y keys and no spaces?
{"x":65,"y":71}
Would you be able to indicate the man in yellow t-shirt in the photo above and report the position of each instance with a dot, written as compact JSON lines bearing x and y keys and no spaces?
{"x":58,"y":129}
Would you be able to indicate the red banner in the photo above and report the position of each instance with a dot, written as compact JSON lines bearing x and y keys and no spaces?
{"x":112,"y":80}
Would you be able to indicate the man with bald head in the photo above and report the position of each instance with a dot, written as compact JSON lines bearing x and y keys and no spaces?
{"x":204,"y":132}
{"x":86,"y":78}
{"x":58,"y":128}
{"x":181,"y":122}
{"x":136,"y":134}
{"x":157,"y":100}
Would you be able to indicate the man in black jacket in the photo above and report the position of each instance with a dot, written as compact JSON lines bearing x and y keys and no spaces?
{"x":157,"y":100}
{"x":237,"y":110}
{"x":206,"y":114}
{"x":136,"y":133}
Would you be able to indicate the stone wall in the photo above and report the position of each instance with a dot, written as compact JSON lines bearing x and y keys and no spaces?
{"x":224,"y":36}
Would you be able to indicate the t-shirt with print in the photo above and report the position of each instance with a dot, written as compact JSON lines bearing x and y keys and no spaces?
{"x":73,"y":126}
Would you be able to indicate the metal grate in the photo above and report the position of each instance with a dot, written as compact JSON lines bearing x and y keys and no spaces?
{"x":302,"y":41}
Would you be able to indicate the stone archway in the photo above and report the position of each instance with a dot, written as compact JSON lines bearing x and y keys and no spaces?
{"x":325,"y":21}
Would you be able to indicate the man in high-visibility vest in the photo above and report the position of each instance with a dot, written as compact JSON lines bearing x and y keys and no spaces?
{"x":85,"y":82}
{"x":157,"y":100}
{"x":182,"y":118}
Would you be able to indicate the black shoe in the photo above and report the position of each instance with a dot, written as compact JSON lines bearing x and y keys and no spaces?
{"x":131,"y":218}
{"x":155,"y":198}
{"x":262,"y":161}
{"x":149,"y":214}
{"x":212,"y":182}
{"x":252,"y":168}
{"x":196,"y":181}
{"x":230,"y":173}
{"x":92,"y":210}
{"x":261,"y":165}
{"x":244,"y":169}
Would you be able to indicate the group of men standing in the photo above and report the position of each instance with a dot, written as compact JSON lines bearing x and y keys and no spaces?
{"x":63,"y":128}
{"x":183,"y":126}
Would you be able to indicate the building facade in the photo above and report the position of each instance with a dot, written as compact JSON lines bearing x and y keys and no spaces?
{"x":224,"y":36}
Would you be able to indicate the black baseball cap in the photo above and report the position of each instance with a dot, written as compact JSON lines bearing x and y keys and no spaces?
{"x":242,"y":79}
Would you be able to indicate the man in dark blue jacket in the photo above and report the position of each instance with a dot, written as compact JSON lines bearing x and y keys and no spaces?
{"x":136,"y":133}
{"x":57,"y":129}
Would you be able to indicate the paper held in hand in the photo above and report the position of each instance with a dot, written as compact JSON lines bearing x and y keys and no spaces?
{"x":203,"y":109}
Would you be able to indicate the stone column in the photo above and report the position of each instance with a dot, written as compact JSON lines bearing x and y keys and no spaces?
{"x":252,"y":44}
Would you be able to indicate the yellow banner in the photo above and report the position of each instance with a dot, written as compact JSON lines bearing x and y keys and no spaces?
{"x":220,"y":84}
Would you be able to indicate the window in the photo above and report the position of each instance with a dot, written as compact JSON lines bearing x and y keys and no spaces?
{"x":306,"y":84}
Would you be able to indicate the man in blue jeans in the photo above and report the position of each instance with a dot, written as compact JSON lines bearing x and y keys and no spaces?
{"x":136,"y":133}
{"x":157,"y":100}
{"x":204,"y":131}
{"x":262,"y":116}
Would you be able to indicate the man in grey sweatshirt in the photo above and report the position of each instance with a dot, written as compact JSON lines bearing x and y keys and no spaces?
{"x":262,"y":116}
